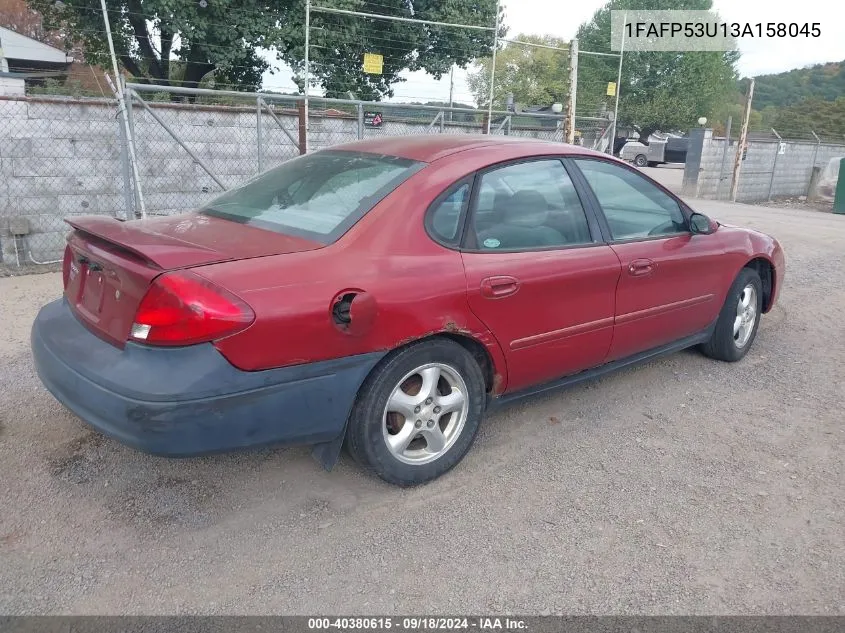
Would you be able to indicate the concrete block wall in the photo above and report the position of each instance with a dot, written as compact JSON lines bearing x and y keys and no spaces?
{"x":225,"y":139}
{"x":62,"y":156}
{"x":58,"y":157}
{"x":792,"y":169}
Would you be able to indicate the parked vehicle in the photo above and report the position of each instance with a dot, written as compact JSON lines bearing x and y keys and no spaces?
{"x":657,"y":152}
{"x":387,"y":293}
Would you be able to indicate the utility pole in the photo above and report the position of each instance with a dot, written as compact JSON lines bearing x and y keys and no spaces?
{"x":451,"y":91}
{"x":493,"y":69}
{"x":743,"y":141}
{"x":618,"y":87}
{"x":307,"y":73}
{"x":569,"y":132}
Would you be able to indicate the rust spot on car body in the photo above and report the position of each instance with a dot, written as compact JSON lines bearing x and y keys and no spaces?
{"x":453,"y":328}
{"x":497,"y":384}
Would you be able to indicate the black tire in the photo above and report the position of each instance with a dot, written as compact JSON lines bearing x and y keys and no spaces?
{"x":640,"y":160}
{"x":723,"y":344}
{"x":364,"y":435}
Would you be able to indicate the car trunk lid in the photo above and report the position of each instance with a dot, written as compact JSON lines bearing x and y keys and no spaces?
{"x":110,"y":264}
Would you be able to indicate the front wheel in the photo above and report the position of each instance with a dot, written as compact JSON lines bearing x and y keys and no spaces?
{"x":736,"y":327}
{"x":418,"y":412}
{"x":640,"y":160}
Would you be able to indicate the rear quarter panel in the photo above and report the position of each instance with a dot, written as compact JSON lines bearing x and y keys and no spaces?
{"x":407,"y":286}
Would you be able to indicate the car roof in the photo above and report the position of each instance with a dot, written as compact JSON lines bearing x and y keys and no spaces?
{"x":430,"y":147}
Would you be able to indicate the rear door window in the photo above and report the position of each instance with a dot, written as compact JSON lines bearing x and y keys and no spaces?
{"x":529,"y":205}
{"x":318,"y":196}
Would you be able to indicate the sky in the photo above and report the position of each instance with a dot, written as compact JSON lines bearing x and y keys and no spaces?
{"x":562,"y":18}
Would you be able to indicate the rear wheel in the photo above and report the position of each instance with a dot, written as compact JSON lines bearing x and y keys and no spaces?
{"x":736,"y":327}
{"x":640,"y":160}
{"x":418,"y":412}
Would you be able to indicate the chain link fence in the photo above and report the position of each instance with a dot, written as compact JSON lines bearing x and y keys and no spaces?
{"x":58,"y":158}
{"x":772,"y":166}
{"x":188,"y":152}
{"x":61,"y":157}
{"x":593,"y":132}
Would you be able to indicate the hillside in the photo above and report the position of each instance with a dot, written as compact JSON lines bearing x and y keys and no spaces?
{"x":823,"y":81}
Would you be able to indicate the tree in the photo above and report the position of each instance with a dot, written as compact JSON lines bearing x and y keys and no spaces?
{"x":825,"y":81}
{"x":825,"y":118}
{"x":718,"y":119}
{"x":338,"y":43}
{"x":226,"y":36}
{"x":663,"y":91}
{"x":205,"y":35}
{"x":535,"y":76}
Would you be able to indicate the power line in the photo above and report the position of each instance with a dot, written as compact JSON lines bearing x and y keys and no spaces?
{"x":376,"y":16}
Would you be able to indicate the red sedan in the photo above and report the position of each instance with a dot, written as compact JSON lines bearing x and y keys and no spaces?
{"x":386,"y":293}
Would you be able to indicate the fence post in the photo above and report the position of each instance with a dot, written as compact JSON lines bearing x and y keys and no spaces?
{"x":442,"y":120}
{"x":360,"y":108}
{"x":258,"y":132}
{"x":303,"y":130}
{"x":128,"y":101}
{"x":815,"y":156}
{"x":724,"y":157}
{"x":126,"y":169}
{"x":774,"y":165}
{"x":813,"y":168}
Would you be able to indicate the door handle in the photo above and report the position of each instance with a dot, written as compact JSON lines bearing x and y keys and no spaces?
{"x":641,"y":267}
{"x":498,"y":287}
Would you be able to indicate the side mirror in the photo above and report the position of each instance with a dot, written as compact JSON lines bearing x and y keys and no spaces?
{"x":700,"y":224}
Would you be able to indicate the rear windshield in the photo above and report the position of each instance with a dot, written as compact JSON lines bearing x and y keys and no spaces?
{"x":318,"y":196}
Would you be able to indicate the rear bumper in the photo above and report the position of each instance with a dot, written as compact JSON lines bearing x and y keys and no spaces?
{"x":190,"y":400}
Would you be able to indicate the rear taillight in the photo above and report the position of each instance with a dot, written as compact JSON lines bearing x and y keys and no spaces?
{"x":181,"y":308}
{"x":66,"y":264}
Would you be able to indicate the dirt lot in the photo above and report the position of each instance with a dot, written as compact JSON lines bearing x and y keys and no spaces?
{"x":683,"y":486}
{"x":670,"y":176}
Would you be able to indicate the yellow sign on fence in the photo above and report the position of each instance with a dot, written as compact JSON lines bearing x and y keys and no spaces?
{"x":611,"y":88}
{"x":373,"y":63}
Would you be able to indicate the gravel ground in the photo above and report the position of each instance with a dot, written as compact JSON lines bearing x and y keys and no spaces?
{"x":682,"y":486}
{"x":802,"y":203}
{"x":670,"y":176}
